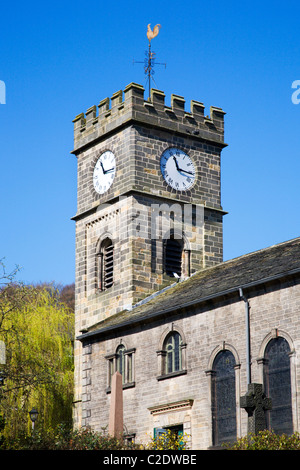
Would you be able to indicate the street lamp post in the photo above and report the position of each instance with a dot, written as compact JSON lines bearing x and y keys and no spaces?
{"x":2,"y":377}
{"x":33,"y":416}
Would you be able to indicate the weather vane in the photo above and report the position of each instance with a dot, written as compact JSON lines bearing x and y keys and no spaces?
{"x":149,"y":61}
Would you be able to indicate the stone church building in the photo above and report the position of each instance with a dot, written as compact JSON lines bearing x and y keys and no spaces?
{"x":154,"y":299}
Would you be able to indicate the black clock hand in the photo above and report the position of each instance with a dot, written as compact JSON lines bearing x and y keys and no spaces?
{"x":185,"y":171}
{"x":177,"y":167}
{"x":102,"y":168}
{"x":105,"y":171}
{"x":180,"y":169}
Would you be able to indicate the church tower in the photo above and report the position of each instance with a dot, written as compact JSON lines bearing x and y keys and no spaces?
{"x":148,"y":202}
{"x":149,"y":205}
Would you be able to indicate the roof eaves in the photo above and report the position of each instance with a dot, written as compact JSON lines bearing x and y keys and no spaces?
{"x":160,"y":313}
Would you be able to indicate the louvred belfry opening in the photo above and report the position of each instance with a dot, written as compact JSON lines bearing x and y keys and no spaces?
{"x":173,"y":257}
{"x":106,"y":264}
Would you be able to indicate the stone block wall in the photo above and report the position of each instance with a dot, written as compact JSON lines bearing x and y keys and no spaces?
{"x":116,"y":112}
{"x":186,"y":399}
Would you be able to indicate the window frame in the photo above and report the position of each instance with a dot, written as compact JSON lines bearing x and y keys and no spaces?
{"x":102,"y":268}
{"x":176,"y":429}
{"x":127,"y":369}
{"x":269,"y":388}
{"x":185,"y":255}
{"x":173,"y":361}
{"x":162,"y":355}
{"x":217,"y":437}
{"x":175,"y":256}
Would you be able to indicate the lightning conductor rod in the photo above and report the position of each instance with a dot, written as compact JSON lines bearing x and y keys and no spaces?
{"x":247,"y":324}
{"x":150,"y":67}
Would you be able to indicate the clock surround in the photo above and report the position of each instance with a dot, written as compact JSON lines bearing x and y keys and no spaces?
{"x":178,"y":169}
{"x":104,"y":172}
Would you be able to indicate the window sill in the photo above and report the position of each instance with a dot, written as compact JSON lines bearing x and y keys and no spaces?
{"x":172,"y":374}
{"x":125,"y":386}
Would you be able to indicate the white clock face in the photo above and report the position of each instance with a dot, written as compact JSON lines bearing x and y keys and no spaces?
{"x":104,"y":172}
{"x":177,"y":169}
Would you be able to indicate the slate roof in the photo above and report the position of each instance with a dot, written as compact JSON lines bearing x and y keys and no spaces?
{"x":227,"y":277}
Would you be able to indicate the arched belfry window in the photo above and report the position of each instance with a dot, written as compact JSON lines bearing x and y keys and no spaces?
{"x":173,"y":249}
{"x":277,"y":383}
{"x":106,"y":264}
{"x":223,"y":398}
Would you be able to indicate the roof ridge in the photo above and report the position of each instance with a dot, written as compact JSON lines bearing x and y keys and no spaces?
{"x":251,"y":253}
{"x":206,"y":270}
{"x":203,"y":286}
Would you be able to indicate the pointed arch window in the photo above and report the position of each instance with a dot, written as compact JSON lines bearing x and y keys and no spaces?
{"x":223,"y":398}
{"x":277,"y":383}
{"x":106,"y":264}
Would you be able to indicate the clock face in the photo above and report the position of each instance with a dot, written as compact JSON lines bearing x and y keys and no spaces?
{"x":177,"y":169}
{"x":104,"y":172}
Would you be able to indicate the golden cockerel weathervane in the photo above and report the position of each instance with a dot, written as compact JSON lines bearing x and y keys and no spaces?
{"x":152,"y":34}
{"x":149,"y":61}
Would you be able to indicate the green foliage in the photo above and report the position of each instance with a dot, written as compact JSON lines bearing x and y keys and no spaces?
{"x":88,"y":440}
{"x":66,"y":439}
{"x":37,"y":329}
{"x":266,"y":440}
{"x":168,"y":441}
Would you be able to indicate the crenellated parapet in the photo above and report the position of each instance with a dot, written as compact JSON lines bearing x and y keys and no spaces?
{"x":129,"y":106}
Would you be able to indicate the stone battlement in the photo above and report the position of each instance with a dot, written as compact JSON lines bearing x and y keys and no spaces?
{"x":129,"y":106}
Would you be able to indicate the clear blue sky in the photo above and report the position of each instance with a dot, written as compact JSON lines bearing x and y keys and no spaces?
{"x":60,"y":58}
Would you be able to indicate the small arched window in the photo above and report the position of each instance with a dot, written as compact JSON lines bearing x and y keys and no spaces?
{"x":106,"y":264}
{"x":122,"y":360}
{"x":173,"y":353}
{"x":173,"y":256}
